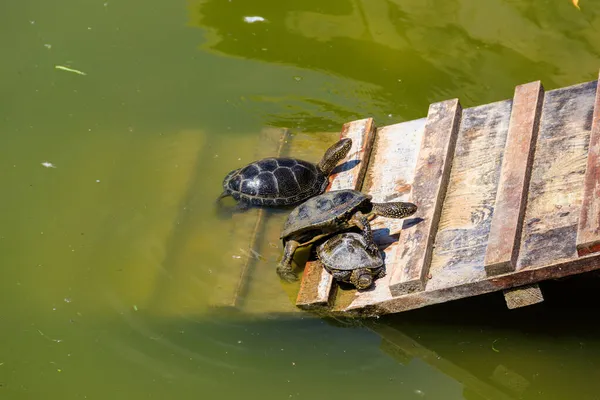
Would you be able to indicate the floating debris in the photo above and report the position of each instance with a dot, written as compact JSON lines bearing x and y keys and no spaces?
{"x":48,"y":164}
{"x":251,"y":20}
{"x":75,"y":71}
{"x":576,"y":4}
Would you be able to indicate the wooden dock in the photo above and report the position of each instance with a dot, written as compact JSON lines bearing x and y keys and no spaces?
{"x":508,"y":196}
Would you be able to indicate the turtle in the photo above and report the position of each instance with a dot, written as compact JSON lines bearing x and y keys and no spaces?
{"x":329,"y":213}
{"x":282,"y":181}
{"x":347,"y":258}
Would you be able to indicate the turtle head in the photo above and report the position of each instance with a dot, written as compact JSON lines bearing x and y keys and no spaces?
{"x":334,"y":155}
{"x":394,"y":209}
{"x":362,"y":279}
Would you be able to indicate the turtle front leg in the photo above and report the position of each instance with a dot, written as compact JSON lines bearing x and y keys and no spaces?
{"x":284,"y":269}
{"x":361,"y":221}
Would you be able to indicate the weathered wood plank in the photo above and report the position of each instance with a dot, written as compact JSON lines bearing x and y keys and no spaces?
{"x":588,"y":229}
{"x":557,"y":178}
{"x":462,"y":236}
{"x":316,"y":286}
{"x":428,"y":297}
{"x":507,"y":220}
{"x":523,"y":296}
{"x":431,"y":179}
{"x":395,"y":154}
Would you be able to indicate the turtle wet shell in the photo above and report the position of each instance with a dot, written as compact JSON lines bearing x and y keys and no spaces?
{"x":327,"y":210}
{"x":347,"y":251}
{"x":276,"y":181}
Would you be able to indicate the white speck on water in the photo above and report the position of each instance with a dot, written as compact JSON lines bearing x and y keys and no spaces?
{"x":32,"y":22}
{"x":48,"y":164}
{"x":239,"y":342}
{"x":297,"y":78}
{"x":236,"y":256}
{"x":239,"y":159}
{"x":251,"y":20}
{"x":97,"y":180}
{"x":419,"y":393}
{"x":390,"y":115}
{"x":67,"y":299}
{"x":48,"y":46}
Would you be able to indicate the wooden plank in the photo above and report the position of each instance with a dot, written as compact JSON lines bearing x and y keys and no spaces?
{"x":557,"y":180}
{"x":230,"y":284}
{"x":394,"y":154}
{"x":316,"y":286}
{"x":507,"y":221}
{"x":523,"y":296}
{"x":588,"y":229}
{"x":431,"y":179}
{"x":425,"y":298}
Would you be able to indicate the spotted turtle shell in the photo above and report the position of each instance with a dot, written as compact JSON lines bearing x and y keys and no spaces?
{"x":347,"y":251}
{"x":276,"y":182}
{"x":327,"y":212}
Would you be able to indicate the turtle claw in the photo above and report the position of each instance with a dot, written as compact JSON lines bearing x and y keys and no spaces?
{"x":286,"y":274}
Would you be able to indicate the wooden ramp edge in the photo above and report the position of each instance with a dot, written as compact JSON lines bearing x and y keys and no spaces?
{"x":316,"y":287}
{"x":500,"y":187}
{"x":588,"y":232}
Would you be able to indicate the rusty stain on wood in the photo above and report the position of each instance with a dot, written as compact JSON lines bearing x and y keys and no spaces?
{"x":506,"y":227}
{"x":316,"y":286}
{"x":588,"y":229}
{"x":431,"y":179}
{"x":523,"y":296}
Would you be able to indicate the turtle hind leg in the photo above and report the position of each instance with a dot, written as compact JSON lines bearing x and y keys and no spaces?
{"x":361,"y":279}
{"x":284,"y":268}
{"x":362,"y":221}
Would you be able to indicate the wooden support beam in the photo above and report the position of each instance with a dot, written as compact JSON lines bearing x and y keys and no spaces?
{"x":523,"y":296}
{"x":429,"y":189}
{"x":511,"y":198}
{"x":316,"y":285}
{"x":588,"y":229}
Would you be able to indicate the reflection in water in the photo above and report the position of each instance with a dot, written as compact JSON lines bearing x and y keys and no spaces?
{"x":111,"y":262}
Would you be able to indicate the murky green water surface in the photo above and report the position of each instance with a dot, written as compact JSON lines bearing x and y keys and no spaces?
{"x":113,"y":261}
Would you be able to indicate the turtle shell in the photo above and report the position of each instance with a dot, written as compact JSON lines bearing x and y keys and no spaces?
{"x":275,"y":182}
{"x":347,"y":251}
{"x":326,"y":212}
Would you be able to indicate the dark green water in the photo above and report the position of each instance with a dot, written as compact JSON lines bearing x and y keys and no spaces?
{"x":108,"y":262}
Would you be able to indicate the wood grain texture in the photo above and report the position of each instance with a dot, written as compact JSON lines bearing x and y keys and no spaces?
{"x":507,"y":220}
{"x":393,"y":161}
{"x":469,"y":206}
{"x":428,"y":297}
{"x":588,"y":229}
{"x":557,"y":179}
{"x":523,"y":296}
{"x":316,"y":286}
{"x":554,"y":199}
{"x":429,"y":189}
